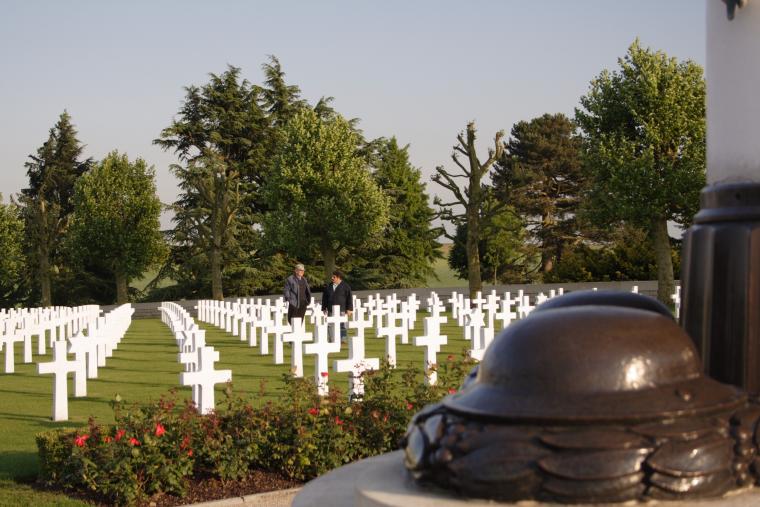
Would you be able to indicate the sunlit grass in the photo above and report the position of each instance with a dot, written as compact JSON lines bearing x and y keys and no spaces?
{"x":143,"y":368}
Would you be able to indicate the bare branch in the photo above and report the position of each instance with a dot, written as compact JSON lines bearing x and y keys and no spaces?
{"x":457,"y":162}
{"x":450,"y":185}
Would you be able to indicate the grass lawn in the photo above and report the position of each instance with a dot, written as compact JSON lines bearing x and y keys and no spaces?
{"x":144,"y":367}
{"x":446,"y":277}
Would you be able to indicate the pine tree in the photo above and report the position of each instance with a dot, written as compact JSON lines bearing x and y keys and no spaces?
{"x":540,"y":176}
{"x":280,"y":100}
{"x":404,"y":255}
{"x":47,"y":202}
{"x":221,"y":132}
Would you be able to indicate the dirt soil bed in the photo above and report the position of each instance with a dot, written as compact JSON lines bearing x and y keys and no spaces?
{"x":213,"y":489}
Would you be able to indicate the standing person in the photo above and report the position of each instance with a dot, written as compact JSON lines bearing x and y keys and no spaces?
{"x":297,"y":293}
{"x":338,"y":293}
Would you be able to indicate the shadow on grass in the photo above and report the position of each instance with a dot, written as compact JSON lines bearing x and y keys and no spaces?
{"x":19,"y":466}
{"x":42,"y":423}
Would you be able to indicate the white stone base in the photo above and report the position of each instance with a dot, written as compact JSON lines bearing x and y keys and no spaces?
{"x":383,"y":481}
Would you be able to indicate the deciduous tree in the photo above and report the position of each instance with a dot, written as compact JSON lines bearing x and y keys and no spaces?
{"x":12,"y":260}
{"x":321,"y":194}
{"x":644,"y":136}
{"x":470,"y":197}
{"x":116,"y":220}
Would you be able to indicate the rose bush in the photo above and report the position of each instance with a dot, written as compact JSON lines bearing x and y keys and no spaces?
{"x":158,"y":447}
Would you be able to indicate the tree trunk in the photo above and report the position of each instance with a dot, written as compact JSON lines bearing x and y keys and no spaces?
{"x":44,"y":274}
{"x":547,"y":262}
{"x":661,"y":240}
{"x":215,"y":258}
{"x":43,"y":254}
{"x":473,"y":253}
{"x":547,"y":253}
{"x":328,"y":256}
{"x":121,"y":289}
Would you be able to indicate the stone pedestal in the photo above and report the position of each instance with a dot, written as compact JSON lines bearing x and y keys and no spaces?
{"x":383,"y":481}
{"x":720,"y":276}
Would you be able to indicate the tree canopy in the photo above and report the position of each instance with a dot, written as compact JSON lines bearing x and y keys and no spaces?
{"x":13,"y":286}
{"x":47,"y":201}
{"x":116,"y":220}
{"x":321,"y":194}
{"x":643,"y":130}
{"x":540,"y":176}
{"x":402,"y":257}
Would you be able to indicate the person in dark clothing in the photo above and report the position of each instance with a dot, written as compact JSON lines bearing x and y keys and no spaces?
{"x":297,"y":293}
{"x":338,"y":293}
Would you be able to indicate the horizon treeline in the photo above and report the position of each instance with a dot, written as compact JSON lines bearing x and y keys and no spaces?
{"x":267,"y":179}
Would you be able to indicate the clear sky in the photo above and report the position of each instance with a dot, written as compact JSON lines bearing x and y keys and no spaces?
{"x":418,"y":70}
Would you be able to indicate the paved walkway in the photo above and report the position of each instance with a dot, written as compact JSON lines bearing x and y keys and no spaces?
{"x":282,"y":498}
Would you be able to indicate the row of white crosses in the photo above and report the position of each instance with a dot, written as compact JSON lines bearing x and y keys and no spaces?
{"x":91,"y":345}
{"x":391,"y":317}
{"x":47,"y":324}
{"x":197,"y":358}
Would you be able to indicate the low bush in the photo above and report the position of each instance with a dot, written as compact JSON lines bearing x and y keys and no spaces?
{"x":158,"y":447}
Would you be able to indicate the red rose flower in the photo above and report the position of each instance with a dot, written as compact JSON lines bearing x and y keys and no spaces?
{"x":160,"y":430}
{"x":107,"y":439}
{"x":324,"y":374}
{"x":338,"y":421}
{"x":450,"y":358}
{"x":80,"y":440}
{"x":119,"y":434}
{"x":189,"y":452}
{"x":409,"y":406}
{"x":313,"y":411}
{"x":134,"y":441}
{"x":452,"y":391}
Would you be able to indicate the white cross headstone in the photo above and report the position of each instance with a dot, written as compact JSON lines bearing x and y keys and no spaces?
{"x":476,"y":323}
{"x":85,"y":350}
{"x":357,"y":364}
{"x":60,"y":367}
{"x":205,"y":377}
{"x":506,"y":315}
{"x":297,"y":336}
{"x":525,"y":307}
{"x":8,"y":341}
{"x":676,"y":297}
{"x":278,"y":328}
{"x":390,"y":332}
{"x":334,"y":321}
{"x":491,"y":306}
{"x":321,"y":348}
{"x":432,"y":339}
{"x":264,"y":323}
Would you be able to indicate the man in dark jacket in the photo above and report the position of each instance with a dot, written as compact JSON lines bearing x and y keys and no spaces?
{"x":297,"y":293}
{"x":338,"y":293}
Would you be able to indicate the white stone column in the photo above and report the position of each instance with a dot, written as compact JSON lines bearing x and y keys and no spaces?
{"x":733,"y":93}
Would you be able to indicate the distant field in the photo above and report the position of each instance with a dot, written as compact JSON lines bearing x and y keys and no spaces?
{"x":446,"y":277}
{"x":148,"y":277}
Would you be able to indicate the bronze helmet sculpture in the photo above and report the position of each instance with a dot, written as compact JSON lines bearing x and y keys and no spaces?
{"x":595,"y":397}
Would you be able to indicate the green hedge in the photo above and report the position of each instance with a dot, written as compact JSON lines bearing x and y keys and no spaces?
{"x":159,"y":447}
